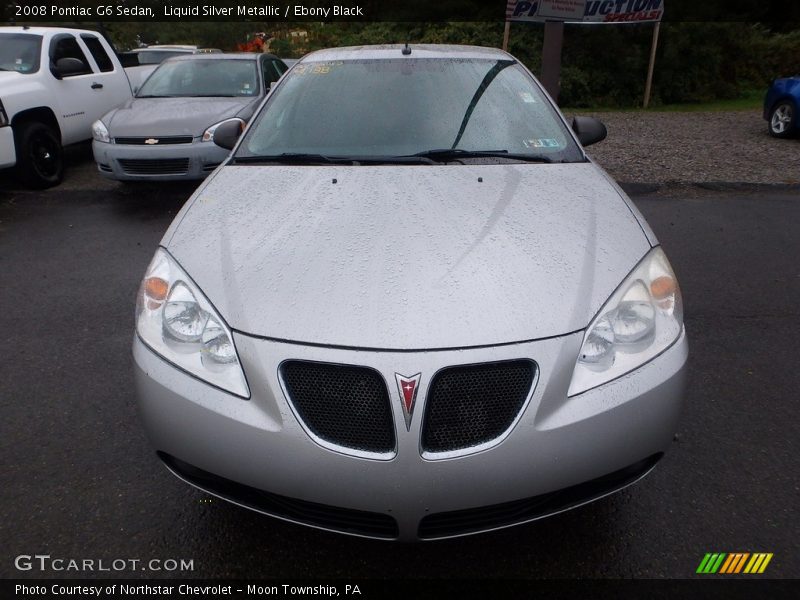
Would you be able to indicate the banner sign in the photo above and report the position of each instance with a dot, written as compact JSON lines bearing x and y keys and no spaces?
{"x":586,"y":11}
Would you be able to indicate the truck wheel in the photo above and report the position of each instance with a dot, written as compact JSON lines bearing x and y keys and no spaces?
{"x":40,"y":160}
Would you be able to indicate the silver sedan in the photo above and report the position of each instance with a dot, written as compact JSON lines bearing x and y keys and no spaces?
{"x":409,"y":306}
{"x":166,"y":131}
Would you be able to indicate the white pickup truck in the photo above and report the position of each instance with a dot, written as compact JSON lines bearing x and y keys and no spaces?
{"x":54,"y":83}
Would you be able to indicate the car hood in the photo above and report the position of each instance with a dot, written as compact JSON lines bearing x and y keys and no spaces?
{"x":171,"y":116}
{"x":408,"y":257}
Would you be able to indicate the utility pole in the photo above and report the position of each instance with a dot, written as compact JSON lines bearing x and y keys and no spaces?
{"x":551,"y":57}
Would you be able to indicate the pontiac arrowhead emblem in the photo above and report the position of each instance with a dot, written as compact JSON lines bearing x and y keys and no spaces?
{"x":151,"y":141}
{"x":408,"y":386}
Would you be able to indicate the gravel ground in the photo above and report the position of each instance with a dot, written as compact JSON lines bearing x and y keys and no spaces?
{"x":695,"y":147}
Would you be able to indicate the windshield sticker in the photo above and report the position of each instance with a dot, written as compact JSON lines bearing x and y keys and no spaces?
{"x":527,"y":98}
{"x":316,"y":68}
{"x":541,"y":143}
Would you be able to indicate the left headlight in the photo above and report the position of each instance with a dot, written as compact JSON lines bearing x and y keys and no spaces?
{"x":176,"y":321}
{"x":643,"y":317}
{"x":208,"y":134}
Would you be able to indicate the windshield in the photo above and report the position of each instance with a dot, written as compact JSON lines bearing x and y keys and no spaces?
{"x":403,"y":107}
{"x":154,"y":57}
{"x":20,"y":52}
{"x":202,"y":77}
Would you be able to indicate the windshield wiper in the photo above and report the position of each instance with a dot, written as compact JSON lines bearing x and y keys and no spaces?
{"x":448,"y":154}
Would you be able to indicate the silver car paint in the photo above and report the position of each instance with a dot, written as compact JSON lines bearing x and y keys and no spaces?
{"x":162,"y":117}
{"x":408,"y":257}
{"x":558,"y":442}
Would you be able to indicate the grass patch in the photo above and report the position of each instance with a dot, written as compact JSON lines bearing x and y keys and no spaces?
{"x":752,"y":100}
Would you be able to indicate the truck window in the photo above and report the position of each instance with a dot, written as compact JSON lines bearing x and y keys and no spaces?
{"x":98,"y":52}
{"x":67,"y":47}
{"x":20,"y":52}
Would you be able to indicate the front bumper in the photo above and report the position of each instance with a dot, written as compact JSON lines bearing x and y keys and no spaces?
{"x":233,"y":447}
{"x":8,"y":154}
{"x":171,"y":162}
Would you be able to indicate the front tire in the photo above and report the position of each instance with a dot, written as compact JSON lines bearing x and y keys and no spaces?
{"x":40,"y":157}
{"x":782,"y":119}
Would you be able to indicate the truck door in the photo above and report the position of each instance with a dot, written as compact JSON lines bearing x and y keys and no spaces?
{"x":73,"y":92}
{"x":116,"y":87}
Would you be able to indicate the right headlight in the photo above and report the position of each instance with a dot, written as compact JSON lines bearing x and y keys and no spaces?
{"x":100,"y":132}
{"x":643,"y":317}
{"x":208,"y":134}
{"x":177,"y":321}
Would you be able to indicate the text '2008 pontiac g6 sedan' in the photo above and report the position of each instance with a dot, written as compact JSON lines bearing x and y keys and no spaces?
{"x":408,"y":306}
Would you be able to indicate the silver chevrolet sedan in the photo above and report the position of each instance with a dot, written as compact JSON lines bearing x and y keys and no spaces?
{"x":166,"y":131}
{"x":409,"y":306}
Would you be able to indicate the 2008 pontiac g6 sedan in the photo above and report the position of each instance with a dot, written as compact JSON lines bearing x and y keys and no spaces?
{"x":409,"y":306}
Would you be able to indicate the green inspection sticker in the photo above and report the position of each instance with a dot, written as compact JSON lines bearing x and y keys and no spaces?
{"x":541,"y":143}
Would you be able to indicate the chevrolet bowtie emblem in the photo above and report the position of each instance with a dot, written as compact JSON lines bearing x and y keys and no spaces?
{"x":151,"y":141}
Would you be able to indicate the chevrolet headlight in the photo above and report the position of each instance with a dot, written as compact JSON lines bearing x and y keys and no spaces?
{"x":100,"y":132}
{"x":208,"y":134}
{"x":176,"y":321}
{"x":643,"y":317}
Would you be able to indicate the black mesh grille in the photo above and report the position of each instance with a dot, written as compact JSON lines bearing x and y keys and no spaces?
{"x":341,"y":404}
{"x":162,"y":141}
{"x":474,"y":404}
{"x":173,"y":166}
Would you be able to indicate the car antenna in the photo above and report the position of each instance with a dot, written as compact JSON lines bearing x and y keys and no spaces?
{"x":406,"y":50}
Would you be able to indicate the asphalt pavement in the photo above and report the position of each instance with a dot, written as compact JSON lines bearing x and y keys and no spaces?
{"x":79,"y":479}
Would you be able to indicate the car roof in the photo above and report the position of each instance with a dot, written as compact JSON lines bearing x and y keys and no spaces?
{"x":170,"y":47}
{"x":164,"y":49}
{"x":219,"y":56}
{"x":388,"y":51}
{"x":46,"y":30}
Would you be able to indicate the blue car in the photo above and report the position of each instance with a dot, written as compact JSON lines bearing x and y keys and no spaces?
{"x":782,"y":107}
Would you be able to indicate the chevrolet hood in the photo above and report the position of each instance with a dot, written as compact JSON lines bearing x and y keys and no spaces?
{"x":408,"y":257}
{"x":161,"y":117}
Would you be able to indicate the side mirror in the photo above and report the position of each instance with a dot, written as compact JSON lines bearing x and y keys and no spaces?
{"x":589,"y":130}
{"x":226,"y":134}
{"x":69,"y":66}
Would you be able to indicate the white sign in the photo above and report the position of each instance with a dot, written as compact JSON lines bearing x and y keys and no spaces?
{"x":586,"y":11}
{"x":562,"y":10}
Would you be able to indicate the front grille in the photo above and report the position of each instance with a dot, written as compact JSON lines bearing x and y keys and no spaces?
{"x":470,"y":405}
{"x":345,"y":520}
{"x":342,"y":405}
{"x":173,"y":166}
{"x":473,"y":520}
{"x":162,"y":141}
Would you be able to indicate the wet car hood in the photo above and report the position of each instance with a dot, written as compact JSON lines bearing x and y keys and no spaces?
{"x":408,"y":257}
{"x":171,"y":116}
